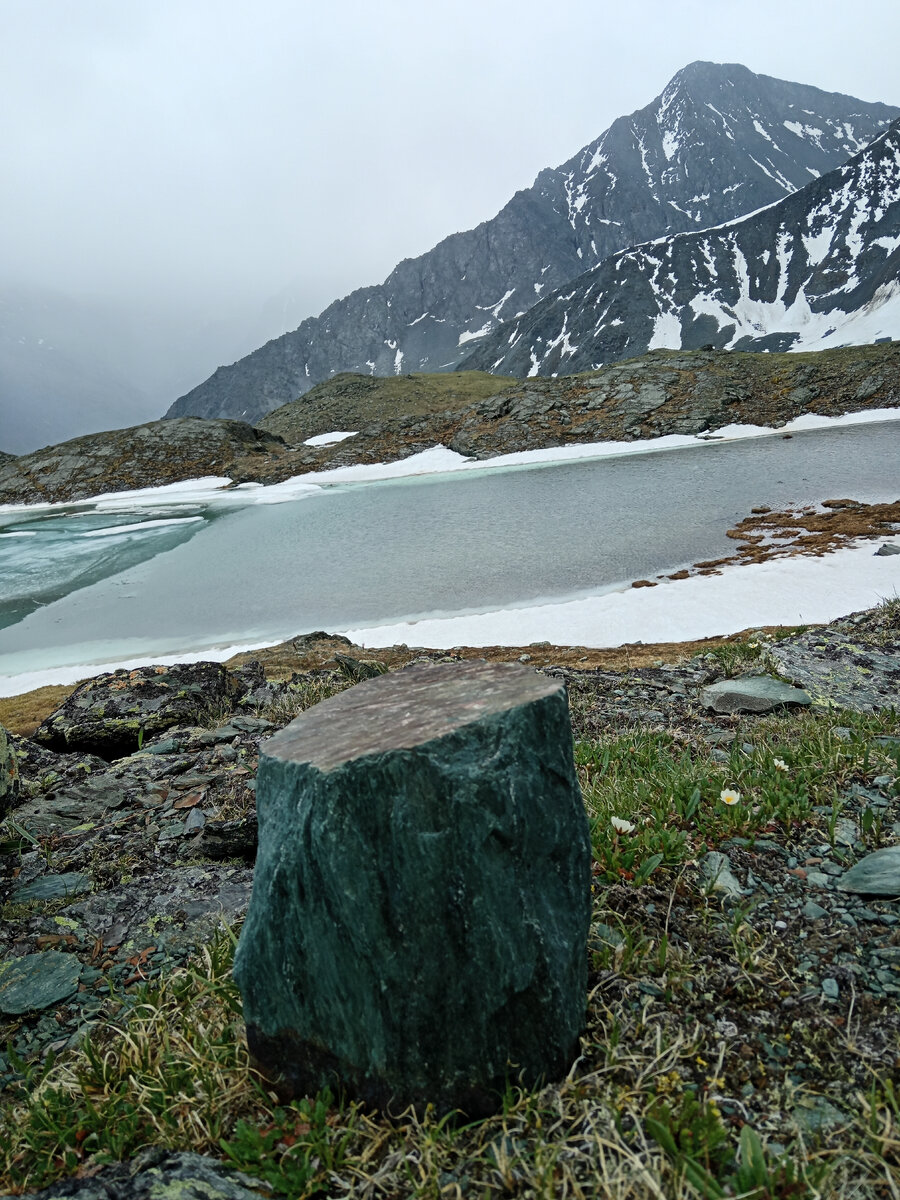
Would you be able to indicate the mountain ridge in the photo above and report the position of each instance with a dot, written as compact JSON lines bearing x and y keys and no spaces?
{"x":632,"y":182}
{"x":800,"y":271}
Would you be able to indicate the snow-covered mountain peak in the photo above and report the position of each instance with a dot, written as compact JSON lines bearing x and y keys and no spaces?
{"x":819,"y":269}
{"x":717,"y":143}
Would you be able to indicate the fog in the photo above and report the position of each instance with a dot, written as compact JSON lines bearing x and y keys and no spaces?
{"x":207,"y":173}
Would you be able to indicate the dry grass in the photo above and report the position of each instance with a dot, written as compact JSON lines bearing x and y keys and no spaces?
{"x":22,"y":714}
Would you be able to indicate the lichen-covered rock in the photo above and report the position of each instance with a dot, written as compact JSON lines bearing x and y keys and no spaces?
{"x":840,"y":667}
{"x":9,"y":774}
{"x":158,"y":1174}
{"x":421,"y":902}
{"x":113,"y":714}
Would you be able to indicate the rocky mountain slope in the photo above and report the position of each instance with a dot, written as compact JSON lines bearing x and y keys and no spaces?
{"x":819,"y":268}
{"x":351,"y":401}
{"x":688,"y":392}
{"x":718,"y":142}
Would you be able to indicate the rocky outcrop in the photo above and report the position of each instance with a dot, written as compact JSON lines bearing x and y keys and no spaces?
{"x":719,"y":141}
{"x":112,"y":715}
{"x":140,"y":456}
{"x":853,"y":663}
{"x":421,"y":899}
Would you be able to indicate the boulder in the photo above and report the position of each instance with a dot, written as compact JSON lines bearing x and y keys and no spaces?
{"x":751,"y":693}
{"x":842,"y":667}
{"x":418,"y":924}
{"x":113,"y":714}
{"x":9,"y":774}
{"x":878,"y":874}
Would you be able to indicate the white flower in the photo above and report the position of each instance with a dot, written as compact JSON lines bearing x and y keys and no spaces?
{"x":730,"y":796}
{"x":779,"y":764}
{"x":621,"y":826}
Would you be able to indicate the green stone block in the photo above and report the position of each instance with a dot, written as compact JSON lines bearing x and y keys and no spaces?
{"x":421,"y":903}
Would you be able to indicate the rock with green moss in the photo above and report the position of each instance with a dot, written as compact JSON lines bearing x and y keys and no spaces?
{"x":418,"y":925}
{"x":112,"y":715}
{"x":843,"y":668}
{"x":9,"y":774}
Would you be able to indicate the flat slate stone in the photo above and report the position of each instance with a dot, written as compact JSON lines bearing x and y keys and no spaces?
{"x":878,"y":874}
{"x":36,"y":981}
{"x":836,"y":668}
{"x":52,"y":887}
{"x":751,"y":693}
{"x":418,"y":925}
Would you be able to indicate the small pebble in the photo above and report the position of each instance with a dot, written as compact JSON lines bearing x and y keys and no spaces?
{"x":817,"y":879}
{"x":830,"y":988}
{"x":813,"y":911}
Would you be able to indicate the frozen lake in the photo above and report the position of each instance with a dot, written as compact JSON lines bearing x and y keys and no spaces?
{"x":79,"y":586}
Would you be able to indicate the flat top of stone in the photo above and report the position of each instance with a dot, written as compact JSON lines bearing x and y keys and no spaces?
{"x":405,"y":709}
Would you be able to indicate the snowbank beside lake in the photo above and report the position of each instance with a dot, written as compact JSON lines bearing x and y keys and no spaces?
{"x":785,"y":591}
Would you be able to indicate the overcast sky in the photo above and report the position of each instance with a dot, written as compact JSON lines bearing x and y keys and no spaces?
{"x":209,"y":153}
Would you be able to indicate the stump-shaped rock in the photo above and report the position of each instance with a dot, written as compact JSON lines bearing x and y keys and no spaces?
{"x":418,"y":924}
